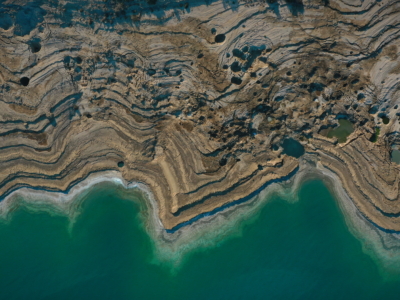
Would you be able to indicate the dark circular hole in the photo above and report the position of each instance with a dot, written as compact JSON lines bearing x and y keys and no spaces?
{"x":24,"y":81}
{"x":235,"y":67}
{"x":213,"y":30}
{"x":88,"y":116}
{"x":223,"y":162}
{"x":385,"y":120}
{"x":373,"y":110}
{"x":121,"y":164}
{"x":288,"y":73}
{"x":78,"y":60}
{"x":152,"y":72}
{"x":35,"y":47}
{"x":236,"y":80}
{"x":360,"y":96}
{"x":220,"y":38}
{"x":67,"y":60}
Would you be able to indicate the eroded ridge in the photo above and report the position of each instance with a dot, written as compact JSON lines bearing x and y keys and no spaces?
{"x":197,"y":99}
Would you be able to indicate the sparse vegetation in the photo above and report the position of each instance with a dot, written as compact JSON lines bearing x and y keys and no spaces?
{"x":375,"y":136}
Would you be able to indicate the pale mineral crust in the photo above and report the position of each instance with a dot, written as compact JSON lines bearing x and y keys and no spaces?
{"x":194,"y":98}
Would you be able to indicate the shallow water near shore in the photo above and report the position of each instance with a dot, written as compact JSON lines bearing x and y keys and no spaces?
{"x":289,"y":250}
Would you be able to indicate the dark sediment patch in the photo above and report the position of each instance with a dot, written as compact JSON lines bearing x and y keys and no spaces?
{"x":27,"y":18}
{"x":296,"y":7}
{"x":5,"y":21}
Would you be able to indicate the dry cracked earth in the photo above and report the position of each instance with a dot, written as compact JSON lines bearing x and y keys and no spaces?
{"x":206,"y":102}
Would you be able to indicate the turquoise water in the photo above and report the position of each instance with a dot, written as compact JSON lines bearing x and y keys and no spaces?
{"x":290,"y":250}
{"x":292,"y":147}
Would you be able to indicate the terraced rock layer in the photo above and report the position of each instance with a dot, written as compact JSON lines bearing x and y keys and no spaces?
{"x":194,"y":98}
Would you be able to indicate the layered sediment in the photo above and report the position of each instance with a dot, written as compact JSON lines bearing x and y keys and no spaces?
{"x":194,"y":99}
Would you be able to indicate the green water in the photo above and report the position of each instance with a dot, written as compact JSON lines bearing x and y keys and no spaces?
{"x":341,"y":132}
{"x":299,"y":250}
{"x":395,"y":156}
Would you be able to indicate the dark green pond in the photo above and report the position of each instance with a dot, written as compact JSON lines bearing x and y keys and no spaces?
{"x":299,"y":250}
{"x":341,"y":132}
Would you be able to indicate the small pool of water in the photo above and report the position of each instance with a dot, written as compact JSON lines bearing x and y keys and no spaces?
{"x":341,"y":132}
{"x":292,"y":147}
{"x":395,"y":156}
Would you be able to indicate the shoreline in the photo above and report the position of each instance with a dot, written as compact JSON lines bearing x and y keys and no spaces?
{"x":207,"y":229}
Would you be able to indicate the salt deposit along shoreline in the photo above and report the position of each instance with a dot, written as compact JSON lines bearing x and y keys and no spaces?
{"x":208,"y":228}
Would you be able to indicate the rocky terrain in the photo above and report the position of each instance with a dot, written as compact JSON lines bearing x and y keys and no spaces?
{"x":205,"y":102}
